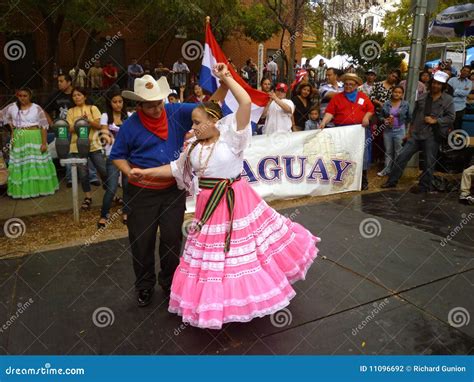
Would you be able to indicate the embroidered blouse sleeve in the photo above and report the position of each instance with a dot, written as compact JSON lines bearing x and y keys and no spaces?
{"x":42,"y":120}
{"x":237,"y":140}
{"x":178,"y":168}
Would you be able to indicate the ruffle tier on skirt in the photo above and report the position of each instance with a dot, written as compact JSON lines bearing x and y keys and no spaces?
{"x":268,"y":253}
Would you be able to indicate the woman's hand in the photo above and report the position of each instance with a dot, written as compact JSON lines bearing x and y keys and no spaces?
{"x":221,"y":70}
{"x":322,"y":125}
{"x":273,"y":96}
{"x":44,"y":147}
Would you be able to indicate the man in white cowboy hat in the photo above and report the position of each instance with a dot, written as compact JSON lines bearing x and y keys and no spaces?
{"x":352,"y":107}
{"x":151,"y":137}
{"x":433,"y":116}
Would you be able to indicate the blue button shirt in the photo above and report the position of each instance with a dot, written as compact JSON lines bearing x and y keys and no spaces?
{"x":144,"y":149}
{"x":461,"y":89}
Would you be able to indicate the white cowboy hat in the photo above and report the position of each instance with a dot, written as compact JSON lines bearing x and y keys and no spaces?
{"x":441,"y":77}
{"x":147,"y":89}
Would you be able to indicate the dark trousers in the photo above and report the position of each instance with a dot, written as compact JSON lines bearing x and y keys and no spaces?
{"x":148,"y":210}
{"x":458,"y":119}
{"x":429,"y":147}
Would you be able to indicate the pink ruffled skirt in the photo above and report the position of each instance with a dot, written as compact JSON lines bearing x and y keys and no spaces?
{"x":268,"y":253}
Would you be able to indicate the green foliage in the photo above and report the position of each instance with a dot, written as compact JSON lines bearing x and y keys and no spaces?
{"x":258,"y":23}
{"x":367,"y":49}
{"x":399,"y":23}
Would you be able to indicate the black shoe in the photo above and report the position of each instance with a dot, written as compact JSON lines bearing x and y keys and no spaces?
{"x":467,"y":200}
{"x":69,"y":185}
{"x":388,"y":185}
{"x":365,"y":186}
{"x":95,"y":183}
{"x":166,"y":291}
{"x":144,"y":297}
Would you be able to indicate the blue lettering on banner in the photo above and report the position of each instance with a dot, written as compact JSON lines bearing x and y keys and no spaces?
{"x":340,"y":170}
{"x":275,"y":171}
{"x":318,"y":168}
{"x":294,"y":168}
{"x":289,"y":160}
{"x":248,"y":173}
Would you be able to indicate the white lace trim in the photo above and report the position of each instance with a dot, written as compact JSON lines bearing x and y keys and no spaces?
{"x":30,"y":159}
{"x":242,"y":223}
{"x":32,"y":178}
{"x":217,"y":324}
{"x":271,"y":234}
{"x":236,"y":275}
{"x":33,"y":195}
{"x":233,"y":302}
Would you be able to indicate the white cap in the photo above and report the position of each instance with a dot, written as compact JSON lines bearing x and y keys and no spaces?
{"x":441,"y":77}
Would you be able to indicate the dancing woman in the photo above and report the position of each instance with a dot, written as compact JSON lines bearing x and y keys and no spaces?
{"x":240,"y":255}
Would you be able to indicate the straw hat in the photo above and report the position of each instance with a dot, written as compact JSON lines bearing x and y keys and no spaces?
{"x":353,"y":77}
{"x":147,"y":89}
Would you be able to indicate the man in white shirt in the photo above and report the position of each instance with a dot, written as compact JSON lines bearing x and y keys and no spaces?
{"x":180,"y":71}
{"x":279,"y":111}
{"x":272,"y":68}
{"x":78,"y":77}
{"x":330,"y":88}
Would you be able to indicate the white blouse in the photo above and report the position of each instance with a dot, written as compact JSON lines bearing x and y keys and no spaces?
{"x":19,"y":119}
{"x":113,"y":128}
{"x":226,"y":160}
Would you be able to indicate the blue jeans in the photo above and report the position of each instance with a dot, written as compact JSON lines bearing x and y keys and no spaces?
{"x":111,"y":185}
{"x":392,"y":139}
{"x":98,"y":159}
{"x":430,"y":148}
{"x":367,"y":148}
{"x":92,"y":172}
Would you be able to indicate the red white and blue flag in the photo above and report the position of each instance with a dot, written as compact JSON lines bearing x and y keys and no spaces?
{"x":213,"y":54}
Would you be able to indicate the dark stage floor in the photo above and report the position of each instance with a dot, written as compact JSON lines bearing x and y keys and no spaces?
{"x":385,"y":282}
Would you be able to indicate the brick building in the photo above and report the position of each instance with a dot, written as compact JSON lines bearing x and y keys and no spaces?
{"x":120,"y":43}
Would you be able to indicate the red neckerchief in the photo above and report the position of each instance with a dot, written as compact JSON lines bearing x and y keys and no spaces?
{"x":158,"y":126}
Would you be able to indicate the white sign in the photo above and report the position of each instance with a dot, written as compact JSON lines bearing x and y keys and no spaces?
{"x":296,"y":164}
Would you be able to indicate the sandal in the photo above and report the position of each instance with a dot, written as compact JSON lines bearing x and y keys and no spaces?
{"x":100,"y":224}
{"x":125,"y":219}
{"x":86,"y":204}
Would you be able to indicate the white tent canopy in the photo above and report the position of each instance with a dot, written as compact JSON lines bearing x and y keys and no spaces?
{"x":338,"y":62}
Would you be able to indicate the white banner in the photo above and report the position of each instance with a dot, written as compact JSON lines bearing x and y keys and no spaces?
{"x":292,"y":165}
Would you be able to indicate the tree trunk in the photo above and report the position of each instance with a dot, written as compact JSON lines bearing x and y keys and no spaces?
{"x":53,"y":28}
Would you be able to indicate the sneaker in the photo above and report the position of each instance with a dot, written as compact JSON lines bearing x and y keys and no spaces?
{"x":381,"y":174}
{"x":467,"y":200}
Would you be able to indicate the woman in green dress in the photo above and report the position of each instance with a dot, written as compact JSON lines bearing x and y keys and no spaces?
{"x":31,"y":170}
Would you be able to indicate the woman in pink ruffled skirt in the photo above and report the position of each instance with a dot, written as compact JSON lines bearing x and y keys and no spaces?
{"x":241,"y":256}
